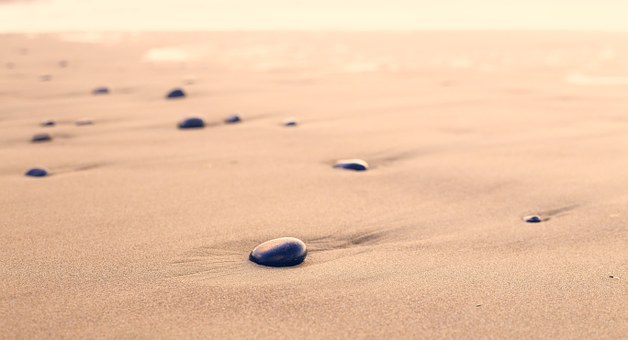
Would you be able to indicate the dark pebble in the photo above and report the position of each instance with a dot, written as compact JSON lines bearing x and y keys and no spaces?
{"x":233,"y":119}
{"x":41,"y":137}
{"x":175,"y":93}
{"x":191,"y":123}
{"x":100,"y":90}
{"x":533,"y":219}
{"x":280,"y":252}
{"x":47,"y":123}
{"x":290,"y":122}
{"x":36,"y":172}
{"x":352,"y":164}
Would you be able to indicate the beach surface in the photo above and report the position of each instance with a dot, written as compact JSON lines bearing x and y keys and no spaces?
{"x":143,"y":230}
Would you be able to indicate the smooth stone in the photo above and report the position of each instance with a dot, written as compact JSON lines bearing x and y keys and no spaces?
{"x":36,"y":172}
{"x":41,"y":137}
{"x":533,"y":219}
{"x":100,"y":90}
{"x":45,"y":77}
{"x":280,"y":252}
{"x":48,"y":123}
{"x":84,"y":121}
{"x":290,"y":122}
{"x":352,"y":164}
{"x":233,"y":119}
{"x":191,"y":123}
{"x":175,"y":93}
{"x":63,"y":63}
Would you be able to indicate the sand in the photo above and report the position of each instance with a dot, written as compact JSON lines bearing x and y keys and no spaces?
{"x":144,"y":230}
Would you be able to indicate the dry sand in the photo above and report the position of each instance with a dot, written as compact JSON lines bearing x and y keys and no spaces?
{"x":143,"y":230}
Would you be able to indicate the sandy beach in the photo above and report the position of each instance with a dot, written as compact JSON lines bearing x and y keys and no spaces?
{"x":143,"y":230}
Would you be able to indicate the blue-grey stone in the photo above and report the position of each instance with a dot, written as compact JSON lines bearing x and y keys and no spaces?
{"x":352,"y":164}
{"x":533,"y":219}
{"x":191,"y":123}
{"x":48,"y":123}
{"x":100,"y":90}
{"x":233,"y":119}
{"x":41,"y":137}
{"x":280,"y":252}
{"x":176,"y":93}
{"x":36,"y":172}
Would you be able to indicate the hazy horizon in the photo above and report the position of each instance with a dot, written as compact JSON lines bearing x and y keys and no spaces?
{"x":351,"y":15}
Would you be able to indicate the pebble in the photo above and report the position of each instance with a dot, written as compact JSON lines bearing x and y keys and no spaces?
{"x":533,"y":219}
{"x":100,"y":90}
{"x":36,"y":172}
{"x":280,"y":252}
{"x":352,"y":164}
{"x":41,"y":137}
{"x":290,"y":122}
{"x":48,"y":123}
{"x":191,"y":123}
{"x":175,"y":93}
{"x":45,"y":77}
{"x":233,"y":119}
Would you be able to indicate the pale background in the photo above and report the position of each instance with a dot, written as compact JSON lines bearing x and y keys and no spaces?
{"x":142,"y":15}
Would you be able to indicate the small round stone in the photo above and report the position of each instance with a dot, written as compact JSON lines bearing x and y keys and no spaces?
{"x":352,"y":164}
{"x":191,"y":123}
{"x":84,"y":121}
{"x":233,"y":119}
{"x":36,"y":172}
{"x":290,"y":122}
{"x":533,"y":219}
{"x":48,"y":123}
{"x":63,"y":63}
{"x":176,"y":93}
{"x":100,"y":90}
{"x":41,"y":137}
{"x":280,"y":252}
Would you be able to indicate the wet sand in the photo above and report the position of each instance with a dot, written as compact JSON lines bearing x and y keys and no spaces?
{"x":144,"y":230}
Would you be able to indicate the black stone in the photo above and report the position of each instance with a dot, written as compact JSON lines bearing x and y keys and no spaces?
{"x":191,"y":123}
{"x":233,"y":119}
{"x":352,"y":164}
{"x":175,"y":93}
{"x":280,"y":252}
{"x":48,"y":123}
{"x":36,"y":172}
{"x":290,"y":123}
{"x":100,"y":90}
{"x":41,"y":137}
{"x":533,"y":219}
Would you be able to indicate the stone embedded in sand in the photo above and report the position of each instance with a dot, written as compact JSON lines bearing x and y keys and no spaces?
{"x":533,"y":219}
{"x":36,"y":172}
{"x":47,"y":123}
{"x":84,"y":121}
{"x":280,"y":252}
{"x":290,"y":122}
{"x":176,"y":93}
{"x":41,"y":137}
{"x":100,"y":90}
{"x":45,"y":77}
{"x":233,"y":119}
{"x":191,"y":123}
{"x":352,"y":164}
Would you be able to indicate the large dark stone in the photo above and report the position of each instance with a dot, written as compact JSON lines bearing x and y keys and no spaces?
{"x":176,"y":93}
{"x":36,"y":172}
{"x":352,"y":164}
{"x":533,"y":219}
{"x":280,"y":252}
{"x":191,"y":123}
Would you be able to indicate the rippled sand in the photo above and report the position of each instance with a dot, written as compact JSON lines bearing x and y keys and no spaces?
{"x":144,"y":230}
